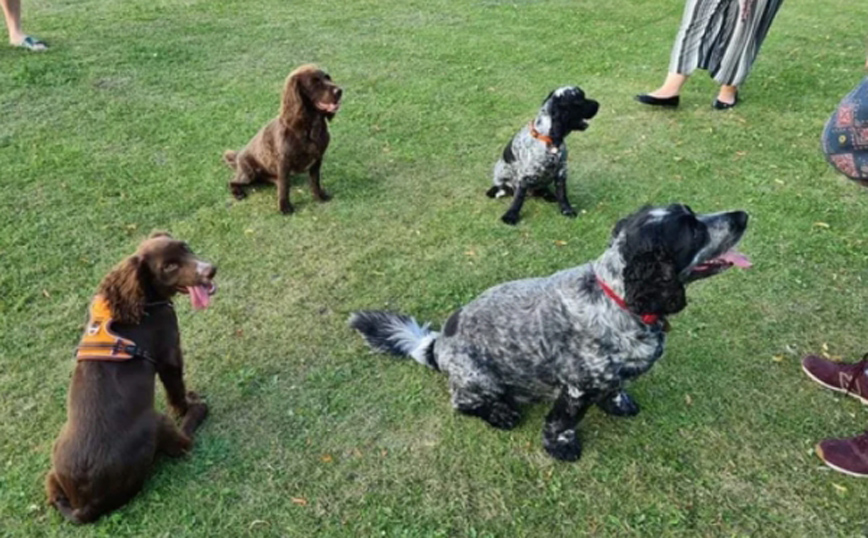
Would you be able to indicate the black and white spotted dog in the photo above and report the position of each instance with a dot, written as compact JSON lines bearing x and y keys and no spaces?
{"x":536,"y":157}
{"x":575,"y":336}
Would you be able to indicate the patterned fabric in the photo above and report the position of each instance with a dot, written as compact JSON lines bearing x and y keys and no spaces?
{"x":845,"y":138}
{"x":722,"y":36}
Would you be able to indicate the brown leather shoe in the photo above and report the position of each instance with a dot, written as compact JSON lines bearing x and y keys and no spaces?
{"x":849,"y":456}
{"x":847,"y":378}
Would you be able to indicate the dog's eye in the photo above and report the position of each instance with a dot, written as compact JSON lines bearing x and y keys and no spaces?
{"x":170,"y":267}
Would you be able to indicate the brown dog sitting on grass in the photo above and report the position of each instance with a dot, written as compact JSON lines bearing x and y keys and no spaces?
{"x":293,"y":142}
{"x":106,"y":448}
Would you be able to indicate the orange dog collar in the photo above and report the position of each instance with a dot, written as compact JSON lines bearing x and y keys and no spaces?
{"x":545,"y":139}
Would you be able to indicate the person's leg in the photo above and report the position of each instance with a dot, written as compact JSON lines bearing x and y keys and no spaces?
{"x":17,"y":38}
{"x":727,"y":94}
{"x":742,"y":49}
{"x":671,"y":86}
{"x":686,"y":52}
{"x":12,"y":12}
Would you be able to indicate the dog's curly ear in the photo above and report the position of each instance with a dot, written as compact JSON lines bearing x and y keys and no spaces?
{"x":651,"y":284}
{"x":292,"y":101}
{"x":123,"y":288}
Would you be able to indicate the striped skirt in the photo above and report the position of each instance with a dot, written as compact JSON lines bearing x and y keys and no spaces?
{"x":715,"y":36}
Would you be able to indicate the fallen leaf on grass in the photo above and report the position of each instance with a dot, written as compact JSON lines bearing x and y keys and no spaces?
{"x":326,"y":458}
{"x":780,"y":182}
{"x":688,"y":400}
{"x":470,"y":253}
{"x":46,"y":294}
{"x":560,"y":243}
{"x":821,"y":225}
{"x":301,"y":501}
{"x":840,"y":488}
{"x":778,"y":358}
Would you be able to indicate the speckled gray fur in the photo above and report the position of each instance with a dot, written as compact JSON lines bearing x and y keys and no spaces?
{"x":529,"y":165}
{"x":560,"y":337}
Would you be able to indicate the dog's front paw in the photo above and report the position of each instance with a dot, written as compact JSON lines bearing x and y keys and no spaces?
{"x":193,"y":397}
{"x":510,"y":218}
{"x":563,"y":445}
{"x":323,"y":196}
{"x":238,"y":193}
{"x":619,"y":405}
{"x":492,"y":192}
{"x":569,"y":212}
{"x":285,"y":207}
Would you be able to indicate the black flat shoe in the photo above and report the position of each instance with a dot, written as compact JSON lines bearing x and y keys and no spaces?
{"x":720,"y":105}
{"x":670,"y":102}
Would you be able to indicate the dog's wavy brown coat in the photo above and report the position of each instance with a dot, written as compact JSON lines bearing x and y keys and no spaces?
{"x":293,"y":142}
{"x":105,"y":450}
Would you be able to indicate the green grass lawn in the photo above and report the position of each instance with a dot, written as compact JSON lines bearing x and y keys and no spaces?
{"x":119,"y":129}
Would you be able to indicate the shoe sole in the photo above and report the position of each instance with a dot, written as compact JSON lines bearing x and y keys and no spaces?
{"x":836,"y":389}
{"x":836,"y":468}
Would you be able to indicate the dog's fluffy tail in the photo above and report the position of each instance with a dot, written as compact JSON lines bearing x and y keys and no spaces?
{"x":229,"y":157}
{"x":397,"y":334}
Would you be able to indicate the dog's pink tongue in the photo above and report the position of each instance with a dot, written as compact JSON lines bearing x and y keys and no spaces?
{"x":737,"y":259}
{"x":199,"y":297}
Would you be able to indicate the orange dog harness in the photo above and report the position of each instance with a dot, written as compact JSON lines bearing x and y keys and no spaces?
{"x":99,"y":343}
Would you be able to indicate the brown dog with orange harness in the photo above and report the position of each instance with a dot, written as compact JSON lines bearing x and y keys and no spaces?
{"x":106,"y":448}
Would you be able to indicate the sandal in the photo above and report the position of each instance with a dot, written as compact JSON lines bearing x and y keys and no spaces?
{"x":32,"y":44}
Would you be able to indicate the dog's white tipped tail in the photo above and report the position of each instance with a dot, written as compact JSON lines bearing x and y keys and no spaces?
{"x":397,"y":334}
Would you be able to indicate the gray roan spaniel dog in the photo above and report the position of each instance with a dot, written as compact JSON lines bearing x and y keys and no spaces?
{"x":537,"y":156}
{"x":575,"y":336}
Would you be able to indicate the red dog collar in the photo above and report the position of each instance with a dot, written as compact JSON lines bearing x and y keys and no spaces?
{"x":647,"y":319}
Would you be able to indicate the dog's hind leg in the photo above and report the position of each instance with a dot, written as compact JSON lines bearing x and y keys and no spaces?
{"x":560,"y":438}
{"x":511,"y":215}
{"x":497,"y":410}
{"x":170,"y":440}
{"x":58,"y":499}
{"x":502,"y":175}
{"x":245,"y":174}
{"x":561,"y":194}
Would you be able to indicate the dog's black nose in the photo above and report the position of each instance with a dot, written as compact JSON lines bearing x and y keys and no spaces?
{"x":739,"y":218}
{"x":338,"y":92}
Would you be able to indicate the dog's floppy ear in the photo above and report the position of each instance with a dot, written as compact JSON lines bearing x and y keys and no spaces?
{"x":292,"y":102}
{"x":651,"y":283}
{"x":123,"y":288}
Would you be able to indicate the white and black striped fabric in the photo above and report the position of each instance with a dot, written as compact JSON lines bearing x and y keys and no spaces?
{"x":722,"y":37}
